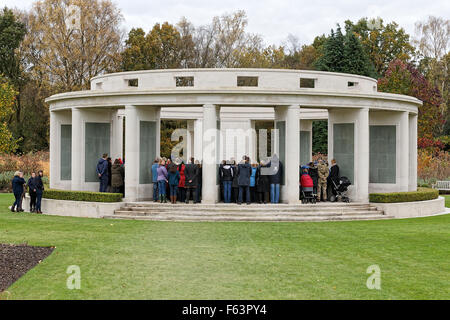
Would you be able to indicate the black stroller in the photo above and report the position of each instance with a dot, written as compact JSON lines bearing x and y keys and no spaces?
{"x":308,"y":195}
{"x":340,"y":190}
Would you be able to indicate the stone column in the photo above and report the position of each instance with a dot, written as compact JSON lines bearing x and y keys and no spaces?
{"x":404,"y":150}
{"x":190,"y":140}
{"x":291,"y":166}
{"x":362,"y":156}
{"x":131,"y":153}
{"x":77,"y":149}
{"x":412,"y":152}
{"x":54,"y":150}
{"x":198,"y":139}
{"x":117,"y":135}
{"x":209,"y":187}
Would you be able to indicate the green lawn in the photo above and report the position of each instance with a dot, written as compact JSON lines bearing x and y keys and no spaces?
{"x":171,"y":260}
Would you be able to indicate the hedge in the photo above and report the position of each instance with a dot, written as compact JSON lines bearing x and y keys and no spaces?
{"x":421,"y":194}
{"x":82,"y":196}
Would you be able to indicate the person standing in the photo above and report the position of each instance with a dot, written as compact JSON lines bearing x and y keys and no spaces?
{"x":155,"y":179}
{"x":181,"y":184}
{"x":174,"y":179}
{"x":191,"y":173}
{"x":276,"y":169}
{"x":32,"y":191}
{"x":102,"y":172}
{"x":39,"y":191}
{"x":199,"y":182}
{"x":322,"y":169}
{"x":108,"y":188}
{"x":117,"y":176}
{"x":244,"y":173}
{"x":334,"y":176}
{"x":17,"y":186}
{"x":234,"y":183}
{"x":313,"y":172}
{"x":254,"y":171}
{"x":162,"y":179}
{"x":262,"y":183}
{"x":226,"y":177}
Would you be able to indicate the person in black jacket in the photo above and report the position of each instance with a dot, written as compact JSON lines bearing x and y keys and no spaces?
{"x":262,"y":183}
{"x":234,"y":183}
{"x":32,"y":191}
{"x":334,"y":175}
{"x":226,"y":177}
{"x":191,"y":173}
{"x":199,"y":181}
{"x":39,"y":190}
{"x":313,"y":172}
{"x":17,"y":185}
{"x":244,"y":172}
{"x":109,"y":189}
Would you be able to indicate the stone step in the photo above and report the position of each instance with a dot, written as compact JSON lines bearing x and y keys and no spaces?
{"x":262,"y":208}
{"x":270,"y":218}
{"x":252,"y":205}
{"x":205,"y":213}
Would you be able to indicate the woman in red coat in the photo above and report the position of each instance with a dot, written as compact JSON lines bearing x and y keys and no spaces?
{"x":181,"y":185}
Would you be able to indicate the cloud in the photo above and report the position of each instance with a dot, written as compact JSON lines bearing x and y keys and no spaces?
{"x":275,"y":19}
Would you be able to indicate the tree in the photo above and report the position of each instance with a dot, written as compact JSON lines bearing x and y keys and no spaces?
{"x":159,"y":49}
{"x":432,"y":40}
{"x":7,"y":97}
{"x":320,"y":136}
{"x":332,"y":58}
{"x":344,"y":54}
{"x":403,"y":78}
{"x":356,"y":61}
{"x":382,"y":43}
{"x":67,"y":48}
{"x":12,"y":33}
{"x":433,"y":37}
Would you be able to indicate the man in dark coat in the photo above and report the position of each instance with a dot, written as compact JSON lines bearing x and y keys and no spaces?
{"x":17,"y":185}
{"x":32,"y":191}
{"x":102,"y":172}
{"x":191,"y":174}
{"x":244,"y":172}
{"x":39,"y":191}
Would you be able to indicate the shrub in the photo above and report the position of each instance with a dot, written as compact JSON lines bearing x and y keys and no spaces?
{"x":82,"y":196}
{"x":421,"y":194}
{"x":432,"y":167}
{"x":27,"y":162}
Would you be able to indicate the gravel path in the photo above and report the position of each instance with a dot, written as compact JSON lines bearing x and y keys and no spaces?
{"x":16,"y":260}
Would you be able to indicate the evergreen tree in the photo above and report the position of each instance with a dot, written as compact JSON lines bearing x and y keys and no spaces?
{"x":356,"y":61}
{"x":333,"y":53}
{"x":345,"y":54}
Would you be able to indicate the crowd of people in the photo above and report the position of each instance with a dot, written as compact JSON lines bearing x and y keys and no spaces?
{"x":35,"y":189}
{"x":111,"y":174}
{"x":320,"y":179}
{"x":183,"y":182}
{"x":239,"y":182}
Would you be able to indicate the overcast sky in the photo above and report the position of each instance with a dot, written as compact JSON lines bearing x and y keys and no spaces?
{"x":275,"y":19}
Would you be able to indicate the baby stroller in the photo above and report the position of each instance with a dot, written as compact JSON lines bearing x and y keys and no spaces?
{"x":340,"y":190}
